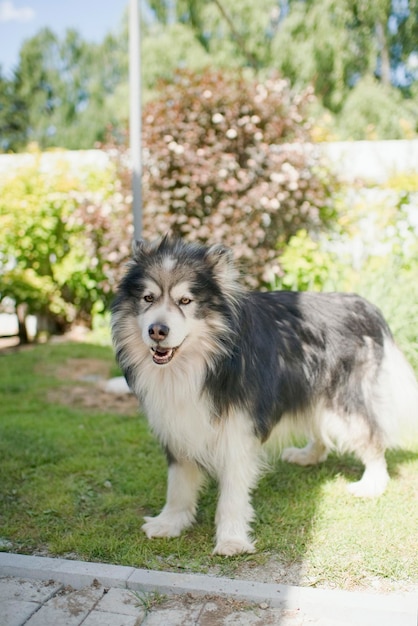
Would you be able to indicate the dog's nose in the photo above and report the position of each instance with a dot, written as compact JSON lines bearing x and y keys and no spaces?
{"x":158,"y":332}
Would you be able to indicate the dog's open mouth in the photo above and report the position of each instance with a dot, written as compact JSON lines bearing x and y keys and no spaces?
{"x":162,"y":356}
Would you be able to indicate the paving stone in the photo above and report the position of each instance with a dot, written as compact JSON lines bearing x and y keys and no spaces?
{"x":292,"y":618}
{"x":98,"y":618}
{"x":67,"y":608}
{"x":15,"y":613}
{"x":54,"y":616}
{"x":173,"y":615}
{"x":220,"y":612}
{"x":215,"y":613}
{"x":20,"y":599}
{"x":29,"y":590}
{"x":120,"y":601}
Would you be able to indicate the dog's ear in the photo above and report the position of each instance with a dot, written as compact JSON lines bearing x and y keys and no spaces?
{"x":222,"y":261}
{"x":224,"y":268}
{"x":139,"y":248}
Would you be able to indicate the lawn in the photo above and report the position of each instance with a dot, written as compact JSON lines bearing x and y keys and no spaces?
{"x":79,"y":470}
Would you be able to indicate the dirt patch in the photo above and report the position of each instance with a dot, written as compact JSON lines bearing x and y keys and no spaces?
{"x":91,"y":376}
{"x":86,"y":370}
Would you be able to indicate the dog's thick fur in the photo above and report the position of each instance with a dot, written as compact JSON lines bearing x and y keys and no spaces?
{"x":218,"y":369}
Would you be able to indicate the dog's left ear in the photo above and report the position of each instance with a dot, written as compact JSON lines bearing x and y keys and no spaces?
{"x":139,"y":248}
{"x":222,"y":260}
{"x":220,"y":254}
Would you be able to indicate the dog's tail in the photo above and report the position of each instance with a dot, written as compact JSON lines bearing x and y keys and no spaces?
{"x":397,"y":399}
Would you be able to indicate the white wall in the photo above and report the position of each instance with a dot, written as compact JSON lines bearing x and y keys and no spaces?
{"x":370,"y":160}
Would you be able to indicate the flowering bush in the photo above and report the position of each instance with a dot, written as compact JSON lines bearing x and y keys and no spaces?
{"x":229,"y":160}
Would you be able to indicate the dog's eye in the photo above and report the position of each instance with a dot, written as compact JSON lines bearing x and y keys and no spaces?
{"x":185,"y":301}
{"x":149,"y":298}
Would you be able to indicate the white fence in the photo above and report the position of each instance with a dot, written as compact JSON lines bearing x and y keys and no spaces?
{"x":369,"y":160}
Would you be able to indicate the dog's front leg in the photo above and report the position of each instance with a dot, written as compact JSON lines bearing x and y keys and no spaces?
{"x":184,"y":481}
{"x":238,"y":470}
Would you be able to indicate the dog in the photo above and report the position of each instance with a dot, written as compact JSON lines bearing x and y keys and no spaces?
{"x":219,"y":370}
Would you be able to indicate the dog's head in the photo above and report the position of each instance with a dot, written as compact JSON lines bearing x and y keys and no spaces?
{"x":178,"y":293}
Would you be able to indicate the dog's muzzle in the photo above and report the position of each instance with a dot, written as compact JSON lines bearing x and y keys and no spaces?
{"x":162,"y":356}
{"x":158,"y":333}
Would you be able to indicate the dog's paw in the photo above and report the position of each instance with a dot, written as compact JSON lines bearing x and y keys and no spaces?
{"x":309,"y":455}
{"x":367,"y":489}
{"x":230,"y":547}
{"x":295,"y":455}
{"x":167,"y":525}
{"x":373,"y":482}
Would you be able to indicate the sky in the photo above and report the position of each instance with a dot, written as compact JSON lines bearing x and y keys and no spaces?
{"x":22,"y":19}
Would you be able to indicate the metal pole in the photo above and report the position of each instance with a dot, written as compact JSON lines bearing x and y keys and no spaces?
{"x":135,"y":113}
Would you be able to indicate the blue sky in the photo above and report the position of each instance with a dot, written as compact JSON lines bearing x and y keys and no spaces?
{"x":22,"y":19}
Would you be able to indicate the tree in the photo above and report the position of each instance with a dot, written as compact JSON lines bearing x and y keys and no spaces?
{"x":330,"y":44}
{"x":165,"y":49}
{"x":374,"y":110}
{"x":67,"y":88}
{"x":13,"y":117}
{"x":38,"y":84}
{"x":234,"y":34}
{"x":390,"y":29}
{"x":69,"y":93}
{"x":313,"y":46}
{"x":343,"y":48}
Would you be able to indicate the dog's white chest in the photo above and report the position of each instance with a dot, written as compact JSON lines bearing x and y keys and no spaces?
{"x":186,"y":430}
{"x":180,"y":414}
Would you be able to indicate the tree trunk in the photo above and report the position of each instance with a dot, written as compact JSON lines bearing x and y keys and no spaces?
{"x":21,"y":312}
{"x":384,"y":53}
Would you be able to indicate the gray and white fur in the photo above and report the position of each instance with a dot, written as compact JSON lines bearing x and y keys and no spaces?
{"x":220,"y":370}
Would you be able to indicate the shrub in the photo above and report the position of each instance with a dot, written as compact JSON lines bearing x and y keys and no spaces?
{"x":376,"y":111}
{"x":58,"y":243}
{"x":229,"y":160}
{"x":308,"y":264}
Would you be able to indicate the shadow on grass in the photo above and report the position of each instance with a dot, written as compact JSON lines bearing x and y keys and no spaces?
{"x":396,"y":458}
{"x":288,"y":503}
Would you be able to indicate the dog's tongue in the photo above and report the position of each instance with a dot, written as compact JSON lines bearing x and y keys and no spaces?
{"x":162,"y":356}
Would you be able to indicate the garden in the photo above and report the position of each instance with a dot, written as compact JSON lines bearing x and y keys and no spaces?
{"x":228,"y":161}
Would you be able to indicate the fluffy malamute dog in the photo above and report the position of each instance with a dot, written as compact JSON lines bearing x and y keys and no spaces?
{"x":217,"y":369}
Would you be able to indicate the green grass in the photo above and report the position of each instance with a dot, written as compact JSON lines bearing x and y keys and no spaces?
{"x":76,"y":481}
